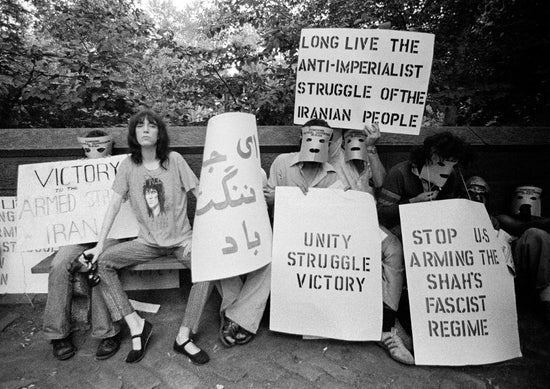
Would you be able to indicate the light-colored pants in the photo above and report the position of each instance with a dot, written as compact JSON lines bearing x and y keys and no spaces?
{"x":57,"y":314}
{"x":244,"y":302}
{"x":393,"y":270}
{"x":531,"y":252}
{"x":131,"y":253}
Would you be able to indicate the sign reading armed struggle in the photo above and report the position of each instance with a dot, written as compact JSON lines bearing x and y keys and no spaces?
{"x":62,"y":203}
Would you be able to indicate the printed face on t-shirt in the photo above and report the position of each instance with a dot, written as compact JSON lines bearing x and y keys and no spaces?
{"x":153,"y":193}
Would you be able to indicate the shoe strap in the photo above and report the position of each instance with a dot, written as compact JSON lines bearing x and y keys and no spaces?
{"x":189,"y":340}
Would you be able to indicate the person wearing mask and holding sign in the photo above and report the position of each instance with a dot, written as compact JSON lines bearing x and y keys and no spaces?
{"x":156,"y":181}
{"x":68,"y":263}
{"x":427,"y":175}
{"x":359,"y":166}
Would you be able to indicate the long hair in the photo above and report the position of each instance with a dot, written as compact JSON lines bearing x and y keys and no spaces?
{"x":445,"y":145}
{"x":163,"y":141}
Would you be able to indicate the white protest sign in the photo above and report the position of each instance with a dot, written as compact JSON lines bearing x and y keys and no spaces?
{"x":326,"y":274}
{"x":231,"y":231}
{"x":15,"y":268}
{"x":350,"y":77}
{"x":62,"y":203}
{"x":461,"y":294}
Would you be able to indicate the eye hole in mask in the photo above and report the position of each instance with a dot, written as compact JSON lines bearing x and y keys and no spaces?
{"x":101,"y":149}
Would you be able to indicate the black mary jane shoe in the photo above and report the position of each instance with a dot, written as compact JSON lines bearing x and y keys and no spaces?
{"x":199,"y":358}
{"x":137,"y":355}
{"x":63,"y":348}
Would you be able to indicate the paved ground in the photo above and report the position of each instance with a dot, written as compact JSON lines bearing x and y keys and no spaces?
{"x":272,"y":360}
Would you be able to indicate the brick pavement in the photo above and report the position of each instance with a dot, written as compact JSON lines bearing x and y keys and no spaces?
{"x":272,"y":360}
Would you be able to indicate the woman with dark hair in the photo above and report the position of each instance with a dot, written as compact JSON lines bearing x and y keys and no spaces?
{"x":164,"y":228}
{"x":427,"y":175}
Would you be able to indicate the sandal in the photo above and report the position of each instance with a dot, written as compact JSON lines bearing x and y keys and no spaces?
{"x":243,"y":336}
{"x":228,"y":332}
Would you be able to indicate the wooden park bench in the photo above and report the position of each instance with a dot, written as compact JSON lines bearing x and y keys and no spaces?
{"x":506,"y":157}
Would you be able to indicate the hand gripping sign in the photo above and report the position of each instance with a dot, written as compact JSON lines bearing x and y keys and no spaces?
{"x":326,"y":274}
{"x":231,"y":231}
{"x":461,"y":293}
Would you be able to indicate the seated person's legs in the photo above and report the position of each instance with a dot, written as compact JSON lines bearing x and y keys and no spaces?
{"x":198,"y":296}
{"x":57,"y":313}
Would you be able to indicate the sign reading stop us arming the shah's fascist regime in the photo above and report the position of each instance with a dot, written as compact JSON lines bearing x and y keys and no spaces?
{"x":62,"y":203}
{"x":231,"y":230}
{"x":326,"y":275}
{"x":350,"y":77}
{"x":461,"y":294}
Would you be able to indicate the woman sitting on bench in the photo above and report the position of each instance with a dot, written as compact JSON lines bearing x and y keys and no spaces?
{"x":156,"y":181}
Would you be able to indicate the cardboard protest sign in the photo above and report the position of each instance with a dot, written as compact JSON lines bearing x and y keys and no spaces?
{"x":62,"y":203}
{"x":326,"y":274}
{"x":15,"y":268}
{"x":461,"y":293}
{"x":231,"y":231}
{"x":350,"y":77}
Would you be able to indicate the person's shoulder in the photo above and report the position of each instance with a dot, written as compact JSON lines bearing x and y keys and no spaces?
{"x":285,"y":158}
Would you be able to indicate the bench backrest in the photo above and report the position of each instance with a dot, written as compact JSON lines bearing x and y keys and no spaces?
{"x":506,"y":156}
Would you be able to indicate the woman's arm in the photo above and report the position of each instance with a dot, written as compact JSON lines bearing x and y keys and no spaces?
{"x":108,"y":220}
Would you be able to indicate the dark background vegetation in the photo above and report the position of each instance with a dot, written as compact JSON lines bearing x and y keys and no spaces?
{"x":92,"y":63}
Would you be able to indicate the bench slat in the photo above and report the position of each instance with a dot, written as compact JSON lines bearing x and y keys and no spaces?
{"x":164,"y":263}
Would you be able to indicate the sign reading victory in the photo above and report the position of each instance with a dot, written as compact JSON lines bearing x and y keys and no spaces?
{"x":231,"y":231}
{"x":62,"y":203}
{"x":326,"y":274}
{"x":461,"y":294}
{"x":350,"y":77}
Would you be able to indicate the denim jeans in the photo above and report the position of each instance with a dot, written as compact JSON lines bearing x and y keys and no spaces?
{"x":393,"y":270}
{"x":131,"y":253}
{"x":57,"y":314}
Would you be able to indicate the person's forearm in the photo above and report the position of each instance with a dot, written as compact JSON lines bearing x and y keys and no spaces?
{"x":377,"y":169}
{"x":108,"y":219}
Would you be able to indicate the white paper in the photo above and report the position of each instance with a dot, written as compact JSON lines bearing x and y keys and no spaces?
{"x":326,"y":278}
{"x":461,"y":294}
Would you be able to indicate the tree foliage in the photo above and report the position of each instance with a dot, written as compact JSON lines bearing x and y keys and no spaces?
{"x":67,"y":63}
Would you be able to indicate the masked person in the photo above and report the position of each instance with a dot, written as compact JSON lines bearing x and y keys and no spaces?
{"x":64,"y":267}
{"x":427,"y":175}
{"x":156,"y":182}
{"x":355,"y":158}
{"x":530,"y":244}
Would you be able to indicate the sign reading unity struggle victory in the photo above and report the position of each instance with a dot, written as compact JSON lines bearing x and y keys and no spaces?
{"x":62,"y":203}
{"x":231,"y":231}
{"x":326,"y":274}
{"x":461,"y":293}
{"x":352,"y":77}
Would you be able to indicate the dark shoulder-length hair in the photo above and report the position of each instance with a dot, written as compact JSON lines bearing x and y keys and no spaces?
{"x":445,"y":145}
{"x":163,"y":141}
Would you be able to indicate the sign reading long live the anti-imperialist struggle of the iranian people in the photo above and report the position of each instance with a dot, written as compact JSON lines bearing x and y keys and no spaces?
{"x":461,"y":293}
{"x":350,"y":77}
{"x":15,"y":268}
{"x":62,"y":203}
{"x":326,"y":273}
{"x":231,"y":231}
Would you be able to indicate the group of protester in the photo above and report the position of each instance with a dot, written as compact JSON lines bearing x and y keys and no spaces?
{"x":156,"y":182}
